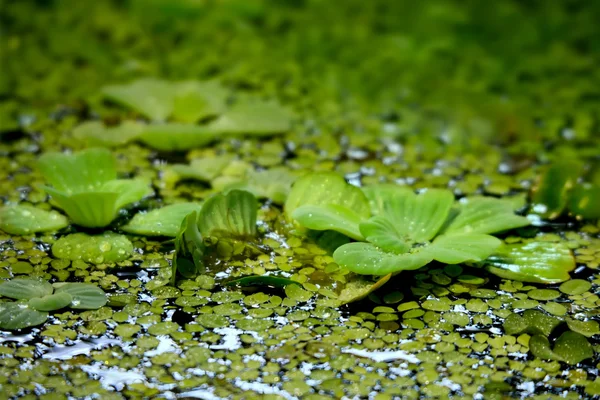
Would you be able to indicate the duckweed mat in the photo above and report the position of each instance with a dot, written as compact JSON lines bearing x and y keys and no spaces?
{"x":472,"y":96}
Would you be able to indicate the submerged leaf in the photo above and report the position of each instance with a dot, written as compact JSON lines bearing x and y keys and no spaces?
{"x":255,"y":118}
{"x":367,"y":259}
{"x":230,"y":215}
{"x":176,"y":136}
{"x":85,"y":296}
{"x":324,"y":188}
{"x":104,"y":248}
{"x":51,"y":302}
{"x":152,"y":98}
{"x":14,"y":315}
{"x":25,"y":219}
{"x":329,"y":217}
{"x":485,"y":215}
{"x":164,"y":221}
{"x":551,"y":193}
{"x":359,"y":287}
{"x":535,"y":261}
{"x":25,"y":288}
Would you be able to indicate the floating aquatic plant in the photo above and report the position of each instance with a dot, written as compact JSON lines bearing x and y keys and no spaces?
{"x":398,"y":229}
{"x":86,"y":188}
{"x":24,"y":220}
{"x":273,"y":184}
{"x":228,"y":217}
{"x":36,"y":298}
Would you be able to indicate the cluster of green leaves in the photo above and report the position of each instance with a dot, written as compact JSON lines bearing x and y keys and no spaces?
{"x":571,"y":346}
{"x":225,"y":223}
{"x":396,"y":229}
{"x":35,"y":298}
{"x":85,"y":186}
{"x":561,"y":188}
{"x":183,"y":115}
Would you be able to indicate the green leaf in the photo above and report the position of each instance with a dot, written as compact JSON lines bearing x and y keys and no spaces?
{"x":329,"y":217}
{"x":358,"y":287}
{"x":203,"y":169}
{"x":570,"y":347}
{"x":198,"y":100}
{"x":92,"y":210}
{"x":25,"y":288}
{"x":254,"y":118}
{"x":456,"y":249}
{"x":533,"y":322}
{"x":485,"y":215}
{"x":95,"y":133}
{"x":15,"y":315}
{"x":273,"y":184}
{"x":261,"y":281}
{"x":416,"y":218}
{"x":25,"y":219}
{"x":151,"y":98}
{"x":176,"y":136}
{"x":551,"y":193}
{"x":367,"y":259}
{"x":128,"y":190}
{"x":189,"y":249}
{"x":230,"y":215}
{"x":50,"y":302}
{"x":585,"y":201}
{"x":382,"y":232}
{"x":535,"y":261}
{"x":85,"y":296}
{"x":108,"y":247}
{"x":322,"y":188}
{"x":164,"y":221}
{"x":83,"y":171}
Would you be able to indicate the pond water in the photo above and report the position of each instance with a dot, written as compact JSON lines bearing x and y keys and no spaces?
{"x":195,"y":98}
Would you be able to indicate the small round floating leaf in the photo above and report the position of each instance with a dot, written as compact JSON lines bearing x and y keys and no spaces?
{"x":15,"y":315}
{"x":261,"y":281}
{"x":51,"y":302}
{"x":331,"y":217}
{"x":25,"y":288}
{"x":108,"y":247}
{"x":536,"y":261}
{"x":85,"y":296}
{"x":575,"y":287}
{"x":24,"y":220}
{"x":573,"y":347}
{"x":485,"y":215}
{"x":164,"y":221}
